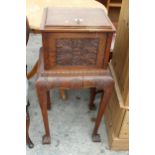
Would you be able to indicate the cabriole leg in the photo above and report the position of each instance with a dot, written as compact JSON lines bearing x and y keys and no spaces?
{"x":102,"y":107}
{"x":42,"y":96}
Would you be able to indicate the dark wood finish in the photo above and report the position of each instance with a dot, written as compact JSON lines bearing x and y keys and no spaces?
{"x":67,"y":80}
{"x":104,"y":100}
{"x":42,"y":96}
{"x":72,"y":52}
{"x":74,"y":57}
{"x":28,"y":140}
{"x":48,"y":101}
{"x":92,"y":98}
{"x":104,"y":2}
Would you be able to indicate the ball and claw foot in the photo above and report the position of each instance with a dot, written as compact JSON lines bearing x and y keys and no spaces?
{"x":96,"y":138}
{"x":92,"y":107}
{"x":30,"y":144}
{"x":46,"y":139}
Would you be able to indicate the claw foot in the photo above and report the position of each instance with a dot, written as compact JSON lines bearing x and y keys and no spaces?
{"x":96,"y":138}
{"x":46,"y":139}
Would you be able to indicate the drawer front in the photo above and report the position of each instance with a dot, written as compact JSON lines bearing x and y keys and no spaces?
{"x":74,"y":49}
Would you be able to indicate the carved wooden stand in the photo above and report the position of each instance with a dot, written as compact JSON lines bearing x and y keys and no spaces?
{"x":74,"y":56}
{"x":67,"y":79}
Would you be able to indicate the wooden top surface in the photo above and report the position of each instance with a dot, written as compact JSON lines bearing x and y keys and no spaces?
{"x":34,"y":8}
{"x":65,"y":19}
{"x":76,"y":17}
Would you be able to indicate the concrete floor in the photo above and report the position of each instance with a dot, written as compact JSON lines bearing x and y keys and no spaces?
{"x":70,"y":120}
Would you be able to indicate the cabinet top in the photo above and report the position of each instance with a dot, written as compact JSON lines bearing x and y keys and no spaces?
{"x":76,"y":20}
